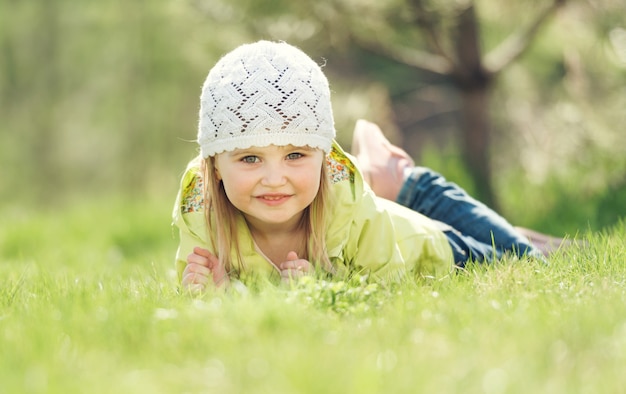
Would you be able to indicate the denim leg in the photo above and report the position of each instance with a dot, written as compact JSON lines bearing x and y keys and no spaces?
{"x":478,"y":233}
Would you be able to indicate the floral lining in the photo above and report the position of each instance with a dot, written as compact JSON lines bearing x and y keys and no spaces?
{"x":340,"y":168}
{"x":193,"y":198}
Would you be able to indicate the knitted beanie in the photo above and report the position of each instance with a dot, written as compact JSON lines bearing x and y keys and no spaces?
{"x":265,"y":93}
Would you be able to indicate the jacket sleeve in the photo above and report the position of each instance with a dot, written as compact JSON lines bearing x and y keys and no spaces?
{"x":389,"y":241}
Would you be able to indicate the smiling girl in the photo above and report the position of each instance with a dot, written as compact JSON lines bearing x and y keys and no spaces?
{"x":272,"y":195}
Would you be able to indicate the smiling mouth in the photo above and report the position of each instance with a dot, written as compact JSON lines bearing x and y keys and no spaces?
{"x":273,"y":198}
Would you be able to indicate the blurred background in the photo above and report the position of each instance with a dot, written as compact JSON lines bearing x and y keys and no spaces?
{"x":522,"y":103}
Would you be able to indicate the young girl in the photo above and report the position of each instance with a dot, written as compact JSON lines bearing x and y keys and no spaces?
{"x":273,"y":196}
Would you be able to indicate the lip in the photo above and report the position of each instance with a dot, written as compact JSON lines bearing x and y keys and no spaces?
{"x":273,"y":199}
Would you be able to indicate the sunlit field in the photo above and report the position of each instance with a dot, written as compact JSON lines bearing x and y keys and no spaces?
{"x":89,"y":303}
{"x":101,"y":98}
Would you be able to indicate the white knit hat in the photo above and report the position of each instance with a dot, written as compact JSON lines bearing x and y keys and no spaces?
{"x":261,"y":94}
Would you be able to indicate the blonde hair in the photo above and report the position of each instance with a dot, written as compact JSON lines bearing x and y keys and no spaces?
{"x":222,"y":216}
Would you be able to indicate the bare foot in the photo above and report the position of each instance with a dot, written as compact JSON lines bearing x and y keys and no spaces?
{"x":381,"y":162}
{"x":545,"y":243}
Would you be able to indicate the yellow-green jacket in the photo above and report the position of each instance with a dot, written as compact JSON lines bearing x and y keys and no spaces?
{"x":365,"y":233}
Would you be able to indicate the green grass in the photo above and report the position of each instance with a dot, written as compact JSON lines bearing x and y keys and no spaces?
{"x":88,"y":303}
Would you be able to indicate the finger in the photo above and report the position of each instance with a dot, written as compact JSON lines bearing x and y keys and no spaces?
{"x":290,"y":262}
{"x":290,"y":274}
{"x":194,"y":258}
{"x":203,"y":252}
{"x":194,"y":279}
{"x":206,"y":259}
{"x":297,"y":265}
{"x":213,"y":261}
{"x":193,"y":268}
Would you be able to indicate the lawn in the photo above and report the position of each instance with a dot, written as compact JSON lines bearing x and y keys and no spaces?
{"x":89,"y":303}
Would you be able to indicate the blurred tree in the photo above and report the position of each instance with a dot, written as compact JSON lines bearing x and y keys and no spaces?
{"x":94,"y":96}
{"x":440,"y":37}
{"x":98,"y":96}
{"x":454,"y":44}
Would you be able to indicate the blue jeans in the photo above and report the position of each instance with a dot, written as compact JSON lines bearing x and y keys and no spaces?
{"x":475,"y":232}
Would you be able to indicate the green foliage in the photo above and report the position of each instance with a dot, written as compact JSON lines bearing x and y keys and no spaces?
{"x":448,"y":163}
{"x":73,"y":315}
{"x":101,"y":97}
{"x":355,"y":296}
{"x":556,"y":205}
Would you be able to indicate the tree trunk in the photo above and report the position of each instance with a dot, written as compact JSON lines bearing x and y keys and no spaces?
{"x":476,"y":142}
{"x":473,"y":82}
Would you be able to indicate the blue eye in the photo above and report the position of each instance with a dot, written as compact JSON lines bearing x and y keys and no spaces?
{"x":294,"y":156}
{"x":250,"y":159}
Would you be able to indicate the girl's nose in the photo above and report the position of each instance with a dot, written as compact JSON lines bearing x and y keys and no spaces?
{"x":274,"y":176}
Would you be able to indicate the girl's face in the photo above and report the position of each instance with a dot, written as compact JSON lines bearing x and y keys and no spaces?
{"x":272,"y":185}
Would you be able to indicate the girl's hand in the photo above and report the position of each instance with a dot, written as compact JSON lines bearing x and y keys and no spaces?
{"x":294,"y":268}
{"x":202,"y":268}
